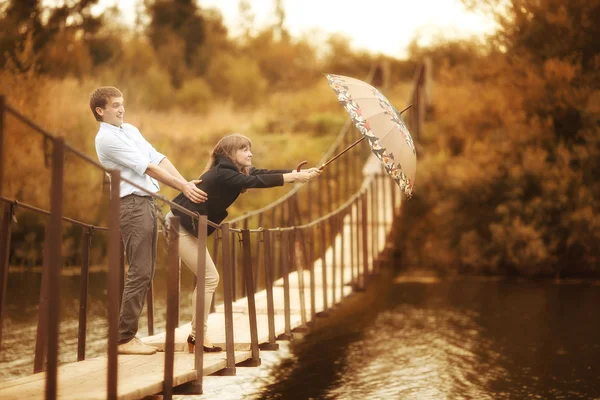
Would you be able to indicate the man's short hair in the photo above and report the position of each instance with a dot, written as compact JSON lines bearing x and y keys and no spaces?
{"x":100,"y":97}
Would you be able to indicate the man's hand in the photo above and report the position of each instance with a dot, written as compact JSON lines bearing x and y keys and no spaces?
{"x":190,"y":191}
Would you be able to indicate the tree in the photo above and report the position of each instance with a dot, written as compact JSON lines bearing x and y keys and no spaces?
{"x":175,"y":23}
{"x":24,"y":17}
{"x":508,"y":184}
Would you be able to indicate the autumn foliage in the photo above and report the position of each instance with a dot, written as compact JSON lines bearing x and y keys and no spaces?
{"x":508,"y":174}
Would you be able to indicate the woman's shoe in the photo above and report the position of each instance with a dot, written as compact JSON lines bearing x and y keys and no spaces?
{"x":214,"y":349}
{"x":192,"y":344}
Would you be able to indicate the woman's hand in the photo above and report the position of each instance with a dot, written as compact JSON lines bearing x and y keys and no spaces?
{"x":313,"y":169}
{"x":303,"y":176}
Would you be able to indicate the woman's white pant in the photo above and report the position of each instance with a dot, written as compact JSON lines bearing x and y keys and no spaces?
{"x":188,"y":252}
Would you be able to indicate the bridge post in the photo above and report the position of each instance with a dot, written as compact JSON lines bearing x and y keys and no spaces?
{"x":54,"y":254}
{"x":332,"y":235}
{"x":229,"y":370}
{"x":39,"y":361}
{"x":200,"y":306}
{"x":247,"y":258}
{"x":243,"y":286}
{"x":285,"y":259}
{"x":114,"y":271}
{"x":374,"y":221}
{"x":121,"y":273}
{"x":86,"y":244}
{"x":328,"y":190}
{"x":295,"y":235}
{"x":359,"y":232}
{"x":352,"y":225}
{"x":342,"y":254}
{"x":150,"y":307}
{"x":255,"y":265}
{"x":234,"y":264}
{"x":311,"y":257}
{"x":323,"y":250}
{"x":5,"y":229}
{"x":268,"y":251}
{"x":2,"y":111}
{"x":365,"y":239}
{"x":172,"y":306}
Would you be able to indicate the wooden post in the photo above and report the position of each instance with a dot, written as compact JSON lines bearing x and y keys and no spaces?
{"x":299,"y":272}
{"x":268,"y":251}
{"x":86,"y":244}
{"x":323,"y":249}
{"x":150,"y":307}
{"x":122,"y":273}
{"x":351,"y":240}
{"x":234,"y":272}
{"x":342,"y":254}
{"x":332,"y":234}
{"x":199,"y":317}
{"x":285,"y":259}
{"x":374,"y":221}
{"x":256,"y":265}
{"x":42,"y":326}
{"x":54,"y":253}
{"x":172,"y":306}
{"x":2,"y":111}
{"x":311,"y":249}
{"x":242,"y":275}
{"x":255,"y":360}
{"x":328,"y":190}
{"x":5,"y":230}
{"x":114,"y":279}
{"x":365,"y":239}
{"x":228,"y":301}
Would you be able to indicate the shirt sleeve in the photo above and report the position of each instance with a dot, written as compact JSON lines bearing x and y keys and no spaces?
{"x":239,"y":181}
{"x":155,"y":156}
{"x":120,"y":153}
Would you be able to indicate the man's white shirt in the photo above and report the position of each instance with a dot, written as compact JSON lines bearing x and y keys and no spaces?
{"x":125,"y":149}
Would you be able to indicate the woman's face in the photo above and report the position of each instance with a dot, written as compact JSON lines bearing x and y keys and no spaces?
{"x":243,"y":157}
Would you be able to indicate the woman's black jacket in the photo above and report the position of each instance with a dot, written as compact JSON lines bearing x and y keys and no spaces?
{"x":223,"y":183}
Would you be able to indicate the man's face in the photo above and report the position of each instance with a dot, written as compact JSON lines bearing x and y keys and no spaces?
{"x":113,"y":112}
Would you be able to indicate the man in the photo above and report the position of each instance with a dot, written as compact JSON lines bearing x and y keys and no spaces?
{"x":122,"y":147}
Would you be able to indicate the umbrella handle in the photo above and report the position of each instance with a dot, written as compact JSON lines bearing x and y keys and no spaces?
{"x":300,"y":165}
{"x":342,"y":152}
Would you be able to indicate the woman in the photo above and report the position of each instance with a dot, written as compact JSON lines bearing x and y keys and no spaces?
{"x":228,"y":173}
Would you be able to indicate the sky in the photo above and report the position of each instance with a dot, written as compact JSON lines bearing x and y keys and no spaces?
{"x":379,"y":26}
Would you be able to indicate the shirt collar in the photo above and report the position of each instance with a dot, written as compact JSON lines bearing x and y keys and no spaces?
{"x":112,"y":128}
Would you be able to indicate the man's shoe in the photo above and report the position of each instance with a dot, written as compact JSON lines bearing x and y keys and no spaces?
{"x":146,"y":344}
{"x":135,"y":346}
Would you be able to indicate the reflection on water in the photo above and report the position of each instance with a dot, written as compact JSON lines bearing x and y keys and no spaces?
{"x":20,"y":325}
{"x":465,"y":339}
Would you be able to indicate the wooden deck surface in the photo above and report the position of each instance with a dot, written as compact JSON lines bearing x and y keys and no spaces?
{"x":142,"y":375}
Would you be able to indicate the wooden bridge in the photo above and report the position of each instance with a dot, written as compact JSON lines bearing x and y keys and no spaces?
{"x":299,"y":261}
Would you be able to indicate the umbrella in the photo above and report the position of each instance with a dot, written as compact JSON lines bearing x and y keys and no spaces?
{"x":381,"y":124}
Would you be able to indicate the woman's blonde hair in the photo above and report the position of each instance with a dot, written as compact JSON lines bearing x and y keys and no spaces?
{"x":226,"y":147}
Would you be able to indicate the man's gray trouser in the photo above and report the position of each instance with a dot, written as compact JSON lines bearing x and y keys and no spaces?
{"x":139,"y":231}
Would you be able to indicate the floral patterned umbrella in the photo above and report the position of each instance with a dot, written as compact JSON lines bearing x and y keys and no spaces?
{"x":381,"y":124}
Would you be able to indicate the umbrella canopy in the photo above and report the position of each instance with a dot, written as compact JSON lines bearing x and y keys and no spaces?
{"x":382,"y":125}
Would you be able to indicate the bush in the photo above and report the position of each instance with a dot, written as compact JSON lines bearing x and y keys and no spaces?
{"x":195,"y":95}
{"x":239,"y":79}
